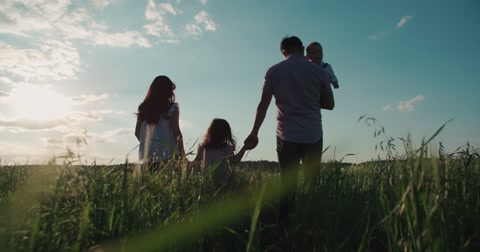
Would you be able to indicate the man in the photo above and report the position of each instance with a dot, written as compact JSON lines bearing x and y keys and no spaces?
{"x":301,"y":90}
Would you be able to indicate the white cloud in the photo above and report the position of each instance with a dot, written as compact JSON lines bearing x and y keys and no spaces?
{"x":100,"y":4}
{"x":158,"y":28}
{"x":405,"y":106}
{"x":166,"y":7}
{"x":6,"y":80}
{"x":109,"y":136}
{"x":75,"y":24}
{"x":81,"y":116}
{"x":122,"y":39}
{"x":185,"y":124}
{"x":155,"y":13}
{"x":377,"y":36}
{"x":52,"y":10}
{"x":193,"y":29}
{"x":45,"y":18}
{"x":387,"y":107}
{"x":151,"y":11}
{"x":48,"y":33}
{"x":403,"y":21}
{"x":171,"y":41}
{"x":63,"y":19}
{"x":84,"y":99}
{"x":54,"y":59}
{"x":22,"y":18}
{"x":22,"y":125}
{"x":203,"y":18}
{"x":73,"y":20}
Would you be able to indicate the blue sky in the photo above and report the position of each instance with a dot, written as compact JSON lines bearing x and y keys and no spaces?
{"x":73,"y":70}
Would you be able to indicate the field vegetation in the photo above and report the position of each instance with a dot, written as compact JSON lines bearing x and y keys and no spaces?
{"x":422,"y":200}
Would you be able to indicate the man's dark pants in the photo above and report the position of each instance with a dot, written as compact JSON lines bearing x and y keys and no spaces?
{"x":289,"y":156}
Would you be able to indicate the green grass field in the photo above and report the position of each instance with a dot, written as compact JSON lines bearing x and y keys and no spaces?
{"x":422,"y":200}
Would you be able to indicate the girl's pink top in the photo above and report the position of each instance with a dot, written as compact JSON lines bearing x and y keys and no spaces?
{"x":214,"y":155}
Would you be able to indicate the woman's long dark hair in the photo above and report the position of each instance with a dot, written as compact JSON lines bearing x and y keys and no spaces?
{"x":218,"y":135}
{"x":158,"y":100}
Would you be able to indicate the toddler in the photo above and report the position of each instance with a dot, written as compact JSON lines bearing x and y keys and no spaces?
{"x":315,"y":54}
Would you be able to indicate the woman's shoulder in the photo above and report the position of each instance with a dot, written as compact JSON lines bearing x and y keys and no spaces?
{"x":172,"y":108}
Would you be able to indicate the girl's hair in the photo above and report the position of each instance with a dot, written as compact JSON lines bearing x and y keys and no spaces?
{"x":158,"y":100}
{"x":218,"y":135}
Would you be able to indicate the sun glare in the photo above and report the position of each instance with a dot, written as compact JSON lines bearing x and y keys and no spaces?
{"x":36,"y":103}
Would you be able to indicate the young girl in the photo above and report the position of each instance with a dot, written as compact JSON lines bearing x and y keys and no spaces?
{"x":157,"y":127}
{"x":218,"y":148}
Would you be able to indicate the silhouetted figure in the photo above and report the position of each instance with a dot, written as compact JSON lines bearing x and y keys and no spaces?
{"x":218,"y":149}
{"x":157,"y":126}
{"x":315,"y":54}
{"x":301,"y":90}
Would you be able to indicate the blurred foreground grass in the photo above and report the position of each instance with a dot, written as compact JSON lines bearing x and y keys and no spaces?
{"x":422,"y":200}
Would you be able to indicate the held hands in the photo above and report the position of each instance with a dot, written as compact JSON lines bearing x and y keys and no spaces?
{"x":251,"y":142}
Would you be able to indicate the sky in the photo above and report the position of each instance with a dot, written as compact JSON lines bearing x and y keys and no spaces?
{"x":72,"y":73}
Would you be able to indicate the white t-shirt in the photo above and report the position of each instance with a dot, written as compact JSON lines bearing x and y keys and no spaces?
{"x":158,"y":139}
{"x":297,"y":85}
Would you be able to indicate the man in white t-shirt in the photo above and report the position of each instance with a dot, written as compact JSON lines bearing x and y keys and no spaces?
{"x":301,"y":90}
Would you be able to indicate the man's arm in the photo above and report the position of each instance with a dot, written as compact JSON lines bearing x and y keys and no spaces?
{"x":252,"y":139}
{"x":326,"y":95}
{"x":327,"y":101}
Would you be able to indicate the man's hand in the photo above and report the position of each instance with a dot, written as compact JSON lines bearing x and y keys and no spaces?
{"x":251,"y":142}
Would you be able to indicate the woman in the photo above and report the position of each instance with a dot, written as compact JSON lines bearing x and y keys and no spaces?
{"x":157,"y":127}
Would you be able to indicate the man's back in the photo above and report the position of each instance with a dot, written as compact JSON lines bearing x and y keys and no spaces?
{"x":297,"y":86}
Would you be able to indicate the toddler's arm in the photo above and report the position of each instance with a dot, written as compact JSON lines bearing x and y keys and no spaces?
{"x":333,"y":77}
